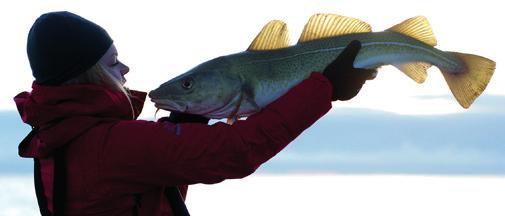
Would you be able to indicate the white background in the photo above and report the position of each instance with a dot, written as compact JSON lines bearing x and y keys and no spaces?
{"x":161,"y":39}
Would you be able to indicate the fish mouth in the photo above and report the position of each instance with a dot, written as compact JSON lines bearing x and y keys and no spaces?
{"x":170,"y":105}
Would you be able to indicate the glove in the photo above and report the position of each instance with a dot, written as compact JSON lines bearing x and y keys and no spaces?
{"x":178,"y":117}
{"x":347,"y":80}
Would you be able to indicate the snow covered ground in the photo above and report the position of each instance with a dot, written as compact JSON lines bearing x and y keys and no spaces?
{"x":322,"y":194}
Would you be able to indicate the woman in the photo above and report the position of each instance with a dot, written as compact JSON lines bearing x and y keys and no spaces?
{"x":93,"y":158}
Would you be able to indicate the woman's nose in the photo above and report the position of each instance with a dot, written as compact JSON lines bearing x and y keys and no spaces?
{"x":125,"y":69}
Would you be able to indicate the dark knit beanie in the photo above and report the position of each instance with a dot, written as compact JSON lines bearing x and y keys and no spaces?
{"x":62,"y":45}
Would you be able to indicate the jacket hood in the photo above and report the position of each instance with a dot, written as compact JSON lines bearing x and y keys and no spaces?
{"x":61,"y":113}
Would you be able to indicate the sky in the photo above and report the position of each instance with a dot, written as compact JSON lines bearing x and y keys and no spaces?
{"x":160,"y":39}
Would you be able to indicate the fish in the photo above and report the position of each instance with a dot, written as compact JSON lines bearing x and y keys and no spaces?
{"x":241,"y":84}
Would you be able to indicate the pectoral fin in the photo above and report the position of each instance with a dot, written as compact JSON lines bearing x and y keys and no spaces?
{"x":233,"y":116}
{"x":249,"y":96}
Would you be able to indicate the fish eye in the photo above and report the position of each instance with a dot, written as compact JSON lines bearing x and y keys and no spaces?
{"x":187,"y":83}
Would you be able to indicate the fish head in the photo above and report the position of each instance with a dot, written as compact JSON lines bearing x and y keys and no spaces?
{"x":203,"y":90}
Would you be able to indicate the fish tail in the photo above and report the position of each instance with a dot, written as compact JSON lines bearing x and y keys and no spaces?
{"x":467,"y":84}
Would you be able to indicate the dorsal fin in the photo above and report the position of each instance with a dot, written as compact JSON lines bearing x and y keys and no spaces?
{"x":274,"y":35}
{"x":330,"y":25}
{"x":418,"y":28}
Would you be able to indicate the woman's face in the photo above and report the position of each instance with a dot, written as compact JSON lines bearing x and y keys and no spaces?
{"x":112,"y":65}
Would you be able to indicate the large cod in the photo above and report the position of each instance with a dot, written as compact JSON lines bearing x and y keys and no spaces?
{"x":240,"y":84}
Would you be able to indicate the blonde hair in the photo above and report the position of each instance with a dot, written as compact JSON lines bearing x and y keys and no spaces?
{"x":98,"y":74}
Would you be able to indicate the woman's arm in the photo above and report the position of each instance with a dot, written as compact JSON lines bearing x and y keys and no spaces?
{"x":162,"y":153}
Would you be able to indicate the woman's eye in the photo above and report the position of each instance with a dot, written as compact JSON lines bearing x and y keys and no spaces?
{"x":187,"y":83}
{"x":115,"y":62}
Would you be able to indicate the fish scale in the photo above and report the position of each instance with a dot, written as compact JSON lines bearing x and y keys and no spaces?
{"x":241,"y":84}
{"x":284,"y":68}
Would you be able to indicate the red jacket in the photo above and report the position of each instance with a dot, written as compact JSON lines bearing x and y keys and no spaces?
{"x":110,"y":158}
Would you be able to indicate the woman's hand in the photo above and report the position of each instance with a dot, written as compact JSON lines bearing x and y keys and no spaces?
{"x":347,"y":80}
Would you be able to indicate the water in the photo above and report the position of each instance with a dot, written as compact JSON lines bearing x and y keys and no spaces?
{"x":328,"y":194}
